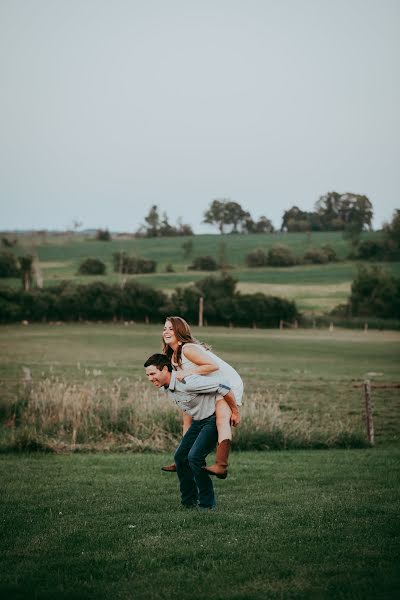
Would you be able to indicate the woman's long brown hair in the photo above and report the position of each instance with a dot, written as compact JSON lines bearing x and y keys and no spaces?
{"x":183,"y":335}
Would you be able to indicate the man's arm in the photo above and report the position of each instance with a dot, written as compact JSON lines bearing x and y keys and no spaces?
{"x":231,"y":402}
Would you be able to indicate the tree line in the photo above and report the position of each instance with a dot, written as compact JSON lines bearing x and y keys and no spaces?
{"x":374,"y":293}
{"x":351,"y":213}
{"x":134,"y":301}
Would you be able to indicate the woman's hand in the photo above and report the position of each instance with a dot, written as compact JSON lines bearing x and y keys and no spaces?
{"x":235,"y":418}
{"x":180,"y":375}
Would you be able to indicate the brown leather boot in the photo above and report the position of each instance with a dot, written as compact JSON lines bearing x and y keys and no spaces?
{"x":169,"y":468}
{"x":220,"y":469}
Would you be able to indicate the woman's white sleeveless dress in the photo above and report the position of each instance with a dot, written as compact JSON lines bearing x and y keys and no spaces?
{"x":228,"y":373}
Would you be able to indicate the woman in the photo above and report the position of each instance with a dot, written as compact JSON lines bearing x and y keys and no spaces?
{"x":191,"y":357}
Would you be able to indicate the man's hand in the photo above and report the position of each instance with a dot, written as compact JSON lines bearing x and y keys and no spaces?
{"x":235,"y":418}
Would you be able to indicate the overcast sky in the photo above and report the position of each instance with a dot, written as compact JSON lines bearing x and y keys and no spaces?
{"x":110,"y":106}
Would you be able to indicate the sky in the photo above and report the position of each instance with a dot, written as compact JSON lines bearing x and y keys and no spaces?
{"x":109,"y":107}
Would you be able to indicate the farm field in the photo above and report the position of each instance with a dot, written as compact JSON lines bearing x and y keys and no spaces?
{"x":315,"y":288}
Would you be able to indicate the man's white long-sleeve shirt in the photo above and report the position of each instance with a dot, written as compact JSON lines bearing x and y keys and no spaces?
{"x":197,"y":394}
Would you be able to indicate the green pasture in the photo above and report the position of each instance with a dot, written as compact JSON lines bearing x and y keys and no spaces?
{"x":315,"y":288}
{"x":313,"y":374}
{"x":262,"y":356}
{"x":169,"y":249}
{"x":293,"y":525}
{"x":289,"y":525}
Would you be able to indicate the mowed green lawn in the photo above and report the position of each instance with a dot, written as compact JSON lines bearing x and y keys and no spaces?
{"x":295,"y":525}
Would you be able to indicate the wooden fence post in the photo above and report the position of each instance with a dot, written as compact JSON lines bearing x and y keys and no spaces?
{"x":201,"y":308}
{"x":368,"y":412}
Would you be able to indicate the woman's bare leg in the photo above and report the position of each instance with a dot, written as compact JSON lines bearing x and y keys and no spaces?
{"x":223,"y":414}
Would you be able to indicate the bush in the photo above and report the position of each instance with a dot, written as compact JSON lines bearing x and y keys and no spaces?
{"x":8,"y":265}
{"x":132,"y":264}
{"x":99,"y":301}
{"x":92,"y":266}
{"x":316,"y":256}
{"x":281,"y":256}
{"x":103,"y":235}
{"x":256,"y":258}
{"x":375,"y":293}
{"x":204,"y":263}
{"x":96,"y":301}
{"x":8,"y":243}
{"x":371,"y":250}
{"x":330,"y":252}
{"x":223,"y":305}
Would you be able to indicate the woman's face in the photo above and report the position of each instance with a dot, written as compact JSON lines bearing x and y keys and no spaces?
{"x":169,"y":336}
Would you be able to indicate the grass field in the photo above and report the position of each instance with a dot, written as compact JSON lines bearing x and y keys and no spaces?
{"x":293,"y":525}
{"x":289,"y":525}
{"x":315,"y":288}
{"x":309,"y":380}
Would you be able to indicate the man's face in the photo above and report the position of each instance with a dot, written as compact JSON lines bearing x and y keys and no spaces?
{"x":156,"y":377}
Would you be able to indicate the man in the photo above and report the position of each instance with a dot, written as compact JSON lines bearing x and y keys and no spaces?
{"x":195,"y":395}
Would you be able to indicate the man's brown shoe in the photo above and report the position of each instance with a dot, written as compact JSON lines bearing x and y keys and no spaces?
{"x":220,"y":469}
{"x":169,"y":468}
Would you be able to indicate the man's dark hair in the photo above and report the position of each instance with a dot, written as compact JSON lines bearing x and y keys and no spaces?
{"x":158,"y":360}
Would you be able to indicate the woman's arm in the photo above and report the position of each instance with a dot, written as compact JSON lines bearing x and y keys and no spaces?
{"x":197,"y":355}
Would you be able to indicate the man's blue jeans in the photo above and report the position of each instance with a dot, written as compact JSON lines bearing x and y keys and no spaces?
{"x":195,"y":484}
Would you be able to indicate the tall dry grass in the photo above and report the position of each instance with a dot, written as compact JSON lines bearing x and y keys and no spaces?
{"x":54,"y":414}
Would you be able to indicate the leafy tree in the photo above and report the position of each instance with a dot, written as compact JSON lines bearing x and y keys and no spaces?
{"x":376,"y":293}
{"x":217,"y":287}
{"x":226,"y":212}
{"x":183,"y":228}
{"x":103,"y":235}
{"x":296,"y":219}
{"x":153,"y":222}
{"x":263,"y":225}
{"x":166,"y":229}
{"x":26,"y":271}
{"x":234,"y":215}
{"x":328,"y":207}
{"x":392,"y":237}
{"x":351,"y":212}
{"x":187,"y":248}
{"x":8,"y":265}
{"x":371,"y":250}
{"x":8,"y":243}
{"x":216,"y":214}
{"x":162,"y":227}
